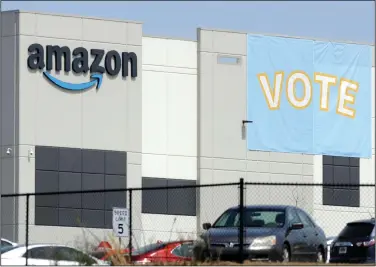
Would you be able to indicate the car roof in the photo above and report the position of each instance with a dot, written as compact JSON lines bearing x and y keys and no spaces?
{"x":8,"y":241}
{"x":22,"y":247}
{"x":272,"y":207}
{"x":43,"y":245}
{"x":30,"y":246}
{"x":372,"y":221}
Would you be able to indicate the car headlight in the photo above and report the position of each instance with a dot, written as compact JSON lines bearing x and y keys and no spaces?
{"x":263,"y":242}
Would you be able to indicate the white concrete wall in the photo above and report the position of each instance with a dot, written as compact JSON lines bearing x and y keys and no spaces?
{"x":223,"y":154}
{"x":332,"y":218}
{"x":108,"y":118}
{"x":8,"y":122}
{"x":169,"y":123}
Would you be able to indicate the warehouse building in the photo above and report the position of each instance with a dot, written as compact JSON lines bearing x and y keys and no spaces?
{"x":166,"y":112}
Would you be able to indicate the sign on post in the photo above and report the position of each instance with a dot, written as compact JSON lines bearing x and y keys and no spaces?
{"x":120,"y":221}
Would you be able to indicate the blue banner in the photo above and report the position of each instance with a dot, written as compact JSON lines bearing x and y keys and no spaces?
{"x":310,"y":97}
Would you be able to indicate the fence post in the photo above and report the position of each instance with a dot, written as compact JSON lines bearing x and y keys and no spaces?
{"x":130,"y":225}
{"x":241,"y":221}
{"x":27,"y":228}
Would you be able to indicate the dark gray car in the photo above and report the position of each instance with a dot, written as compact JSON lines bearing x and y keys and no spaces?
{"x":273,"y":233}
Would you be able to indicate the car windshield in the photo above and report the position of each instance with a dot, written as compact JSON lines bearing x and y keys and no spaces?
{"x":267,"y":218}
{"x":148,"y":248}
{"x":353,"y":230}
{"x":5,"y":243}
{"x":8,"y":248}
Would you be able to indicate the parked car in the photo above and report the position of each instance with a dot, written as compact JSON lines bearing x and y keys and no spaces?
{"x":272,"y":233}
{"x":7,"y":243}
{"x":160,"y":252}
{"x":176,"y":251}
{"x":355,"y":243}
{"x":329,"y":242}
{"x":46,"y":254}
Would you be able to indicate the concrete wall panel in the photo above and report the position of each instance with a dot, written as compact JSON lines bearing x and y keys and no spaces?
{"x":328,"y":214}
{"x":223,"y":155}
{"x":53,"y":117}
{"x":169,"y":115}
{"x":8,"y":124}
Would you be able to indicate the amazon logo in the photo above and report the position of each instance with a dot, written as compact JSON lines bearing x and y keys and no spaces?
{"x":78,"y":62}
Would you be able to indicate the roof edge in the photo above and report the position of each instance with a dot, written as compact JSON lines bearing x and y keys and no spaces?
{"x":72,"y":16}
{"x":169,"y":38}
{"x":286,"y":36}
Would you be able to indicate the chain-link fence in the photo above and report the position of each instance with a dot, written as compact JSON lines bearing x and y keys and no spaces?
{"x":209,"y":218}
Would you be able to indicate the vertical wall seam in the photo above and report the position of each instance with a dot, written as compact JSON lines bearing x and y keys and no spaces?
{"x":1,"y":122}
{"x":198,"y":129}
{"x":81,"y":93}
{"x":16,"y":107}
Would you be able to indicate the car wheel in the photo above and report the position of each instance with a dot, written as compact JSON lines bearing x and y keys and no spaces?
{"x":286,"y":253}
{"x":320,"y":255}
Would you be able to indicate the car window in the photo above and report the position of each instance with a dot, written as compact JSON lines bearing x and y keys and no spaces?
{"x":183,"y":250}
{"x":43,"y":253}
{"x":265,"y":218}
{"x":253,"y":217}
{"x":357,"y":230}
{"x":8,"y":248}
{"x":305,"y":219}
{"x":5,"y":244}
{"x":70,"y":254}
{"x":309,"y":218}
{"x":293,"y":217}
{"x":227,"y":218}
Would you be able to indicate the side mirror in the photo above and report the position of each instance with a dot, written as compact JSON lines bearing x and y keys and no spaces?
{"x":206,"y":226}
{"x":296,"y":226}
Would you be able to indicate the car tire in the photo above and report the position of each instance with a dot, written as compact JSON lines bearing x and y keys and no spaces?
{"x":286,"y":255}
{"x":320,"y":257}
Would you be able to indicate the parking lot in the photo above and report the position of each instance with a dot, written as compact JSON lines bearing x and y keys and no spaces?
{"x":275,"y":231}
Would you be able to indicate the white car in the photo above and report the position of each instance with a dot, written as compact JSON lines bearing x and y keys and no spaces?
{"x":7,"y":243}
{"x":47,"y":254}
